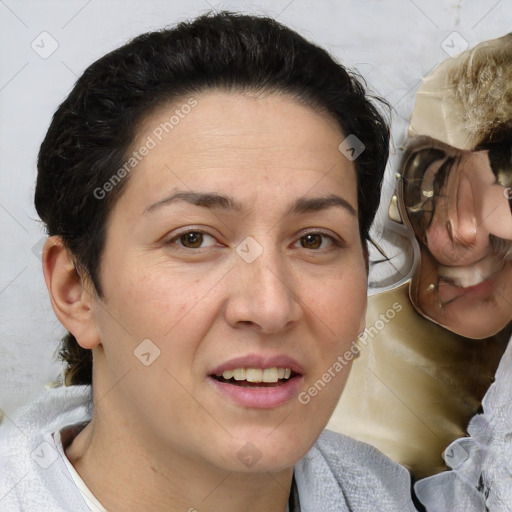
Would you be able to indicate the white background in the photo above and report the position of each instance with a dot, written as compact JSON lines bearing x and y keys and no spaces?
{"x":392,"y":43}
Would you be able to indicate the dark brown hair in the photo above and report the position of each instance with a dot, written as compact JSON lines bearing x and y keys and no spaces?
{"x":92,"y":130}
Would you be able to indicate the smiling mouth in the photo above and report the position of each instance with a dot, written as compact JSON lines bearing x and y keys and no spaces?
{"x":477,"y":287}
{"x":256,"y":377}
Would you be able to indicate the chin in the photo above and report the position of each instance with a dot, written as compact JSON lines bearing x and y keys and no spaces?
{"x":477,"y":332}
{"x":474,"y":325}
{"x":266,"y":450}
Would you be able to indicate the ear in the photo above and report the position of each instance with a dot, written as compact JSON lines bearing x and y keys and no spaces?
{"x":72,"y":297}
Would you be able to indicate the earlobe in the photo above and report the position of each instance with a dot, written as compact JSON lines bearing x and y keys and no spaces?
{"x":72,"y":299}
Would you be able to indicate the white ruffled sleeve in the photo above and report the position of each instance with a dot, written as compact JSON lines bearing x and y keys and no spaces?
{"x":481,"y":475}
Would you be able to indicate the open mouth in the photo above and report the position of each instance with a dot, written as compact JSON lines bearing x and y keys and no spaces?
{"x":256,"y":377}
{"x":258,"y":381}
{"x":472,"y":285}
{"x":448,"y":292}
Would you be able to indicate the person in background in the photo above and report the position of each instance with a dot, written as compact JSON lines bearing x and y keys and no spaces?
{"x":458,"y":196}
{"x":436,"y":337}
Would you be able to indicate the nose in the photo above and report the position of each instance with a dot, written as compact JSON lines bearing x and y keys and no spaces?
{"x":462,"y":224}
{"x":468,"y":213}
{"x":455,"y":236}
{"x":264,"y":295}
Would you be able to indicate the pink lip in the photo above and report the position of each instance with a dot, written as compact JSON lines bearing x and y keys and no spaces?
{"x":259,"y":397}
{"x":259,"y":361}
{"x":449,"y":292}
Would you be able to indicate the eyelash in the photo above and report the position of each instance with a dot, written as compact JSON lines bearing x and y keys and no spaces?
{"x":334,"y":242}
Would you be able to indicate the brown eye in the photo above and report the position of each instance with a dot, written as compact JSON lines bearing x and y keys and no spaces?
{"x":311,"y":241}
{"x":192,"y":240}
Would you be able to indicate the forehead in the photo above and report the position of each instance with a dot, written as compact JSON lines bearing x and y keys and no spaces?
{"x":248,"y":143}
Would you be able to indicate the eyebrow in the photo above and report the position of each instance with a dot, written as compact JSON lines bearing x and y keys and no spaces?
{"x":218,"y":201}
{"x":207,"y":200}
{"x":314,"y":204}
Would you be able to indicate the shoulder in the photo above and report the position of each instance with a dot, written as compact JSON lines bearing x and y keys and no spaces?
{"x":340,"y":473}
{"x":34,"y":475}
{"x":48,"y":411}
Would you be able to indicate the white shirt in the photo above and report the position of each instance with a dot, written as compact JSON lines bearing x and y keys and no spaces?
{"x":91,"y":501}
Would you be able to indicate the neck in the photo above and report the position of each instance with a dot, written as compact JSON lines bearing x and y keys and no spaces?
{"x":128,"y":470}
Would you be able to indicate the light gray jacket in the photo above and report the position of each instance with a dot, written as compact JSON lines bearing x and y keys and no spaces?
{"x":338,"y":474}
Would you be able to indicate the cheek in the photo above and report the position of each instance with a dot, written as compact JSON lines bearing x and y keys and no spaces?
{"x":340,"y":306}
{"x":340,"y":312}
{"x":171,"y":307}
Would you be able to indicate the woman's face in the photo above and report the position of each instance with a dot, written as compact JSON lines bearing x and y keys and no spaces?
{"x":233,"y":253}
{"x":463,"y":282}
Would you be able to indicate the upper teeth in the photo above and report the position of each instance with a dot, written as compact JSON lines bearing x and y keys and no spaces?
{"x":258,"y":374}
{"x":471,"y":275}
{"x":463,"y":277}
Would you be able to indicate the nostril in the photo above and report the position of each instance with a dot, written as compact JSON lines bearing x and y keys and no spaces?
{"x":247,"y":323}
{"x":449,"y":229}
